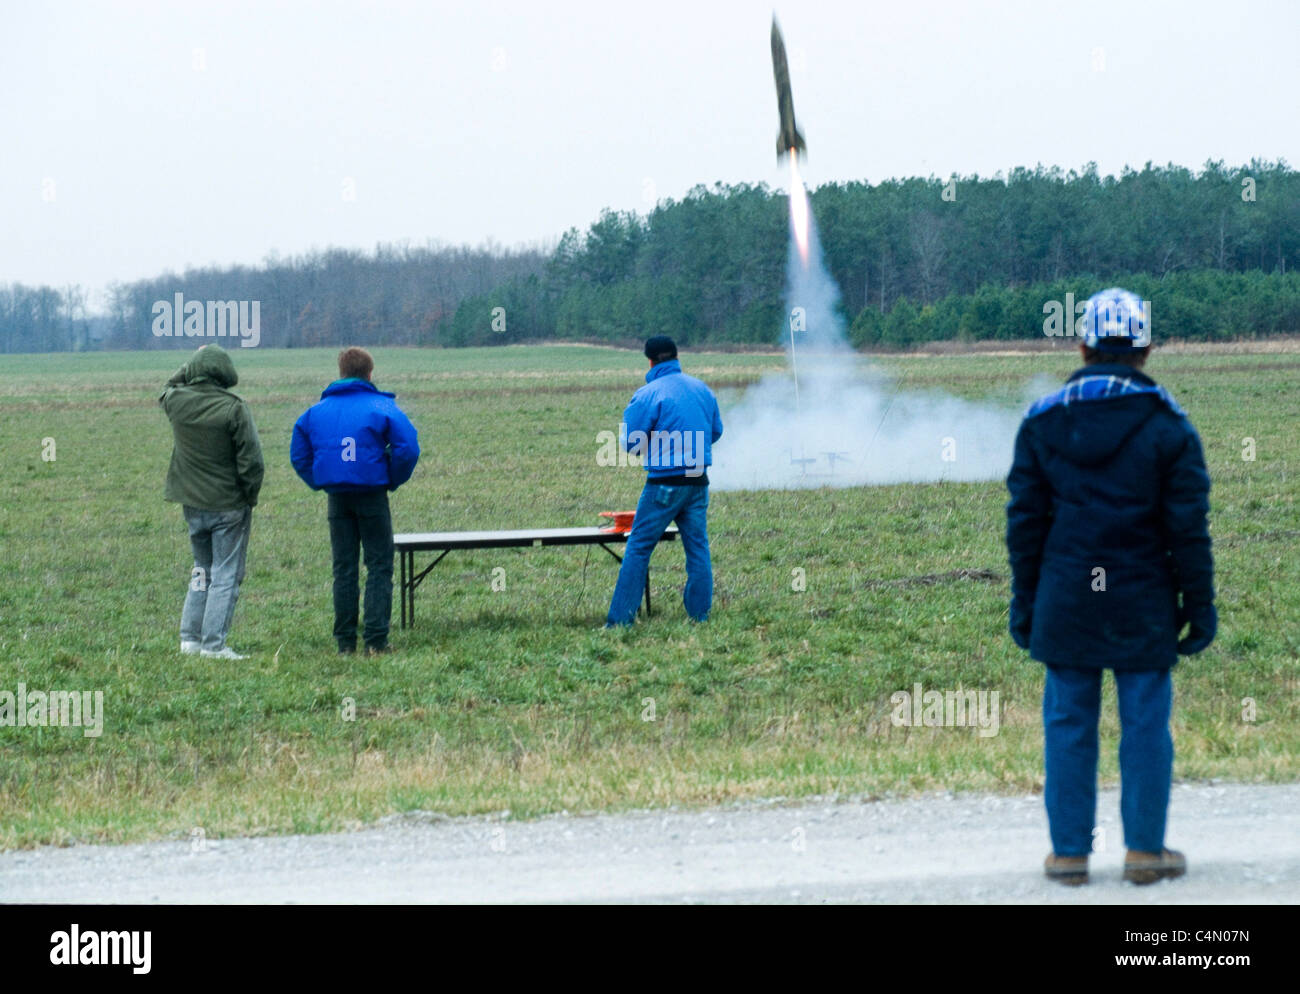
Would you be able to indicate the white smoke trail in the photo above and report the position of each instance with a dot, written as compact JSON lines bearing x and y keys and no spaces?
{"x":845,"y":423}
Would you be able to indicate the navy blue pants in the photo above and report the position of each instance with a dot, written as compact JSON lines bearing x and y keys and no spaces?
{"x":1071,"y":707}
{"x":361,"y":521}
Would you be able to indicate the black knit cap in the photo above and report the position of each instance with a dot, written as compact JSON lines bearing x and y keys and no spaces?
{"x":660,"y":348}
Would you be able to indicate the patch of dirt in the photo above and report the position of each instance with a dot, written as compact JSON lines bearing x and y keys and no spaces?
{"x":930,"y":579}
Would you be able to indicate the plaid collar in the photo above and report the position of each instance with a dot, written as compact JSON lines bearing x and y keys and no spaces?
{"x":1081,"y":389}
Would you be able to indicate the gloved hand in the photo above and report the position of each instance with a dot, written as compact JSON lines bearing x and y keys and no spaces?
{"x":1021,"y":623}
{"x":1202,"y":621}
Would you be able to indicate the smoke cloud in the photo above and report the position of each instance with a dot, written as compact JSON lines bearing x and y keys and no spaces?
{"x":832,"y":420}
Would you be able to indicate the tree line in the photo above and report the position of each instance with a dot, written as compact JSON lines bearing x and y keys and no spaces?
{"x":951,"y":254}
{"x":1194,"y":305}
{"x":915,"y":259}
{"x":43,"y":319}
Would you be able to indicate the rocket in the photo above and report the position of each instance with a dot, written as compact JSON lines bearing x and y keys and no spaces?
{"x":789,"y":138}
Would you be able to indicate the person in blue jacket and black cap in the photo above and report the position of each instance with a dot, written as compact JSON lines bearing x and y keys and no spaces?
{"x":672,"y":423}
{"x":1110,"y":560}
{"x":357,"y":445}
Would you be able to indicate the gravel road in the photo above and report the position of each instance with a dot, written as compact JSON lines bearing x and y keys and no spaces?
{"x":1242,"y":844}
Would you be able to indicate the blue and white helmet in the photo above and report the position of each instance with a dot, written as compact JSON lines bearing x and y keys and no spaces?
{"x":1115,"y":320}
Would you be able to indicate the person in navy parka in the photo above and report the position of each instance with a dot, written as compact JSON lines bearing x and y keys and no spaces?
{"x":1110,"y":560}
{"x":357,"y":446}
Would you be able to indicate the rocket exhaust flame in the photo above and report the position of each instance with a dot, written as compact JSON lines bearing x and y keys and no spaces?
{"x":798,"y":209}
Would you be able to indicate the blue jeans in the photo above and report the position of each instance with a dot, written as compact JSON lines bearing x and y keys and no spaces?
{"x":658,"y":507}
{"x":219,"y":541}
{"x":1071,"y":706}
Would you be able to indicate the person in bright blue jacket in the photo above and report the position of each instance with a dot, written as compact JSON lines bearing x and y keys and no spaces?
{"x":357,"y":446}
{"x":1110,"y":555}
{"x":672,"y":423}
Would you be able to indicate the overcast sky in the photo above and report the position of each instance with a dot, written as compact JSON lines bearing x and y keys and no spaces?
{"x":141,"y":138}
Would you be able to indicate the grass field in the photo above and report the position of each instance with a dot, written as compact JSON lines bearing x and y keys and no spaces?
{"x":514,"y":699}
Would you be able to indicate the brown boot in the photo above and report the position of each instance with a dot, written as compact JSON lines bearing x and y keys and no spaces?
{"x":1148,"y":867}
{"x":1069,"y":870}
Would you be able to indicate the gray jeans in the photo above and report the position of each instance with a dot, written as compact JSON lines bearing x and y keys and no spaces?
{"x":220,"y":543}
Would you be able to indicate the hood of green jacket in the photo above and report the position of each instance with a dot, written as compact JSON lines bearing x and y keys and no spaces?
{"x":210,"y":364}
{"x":216,"y":460}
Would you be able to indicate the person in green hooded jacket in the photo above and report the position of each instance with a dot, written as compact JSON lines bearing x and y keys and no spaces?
{"x":215,"y":475}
